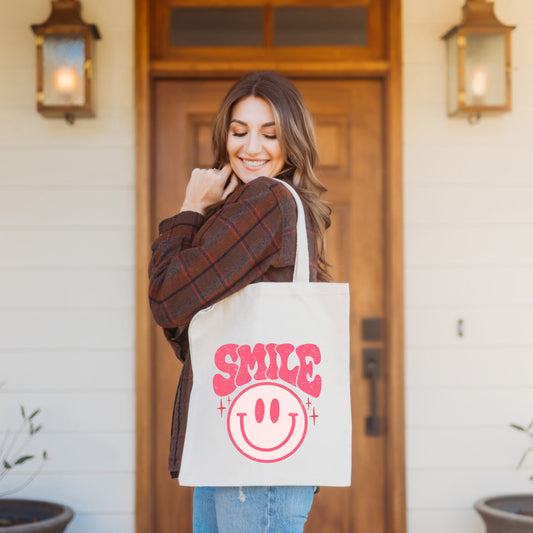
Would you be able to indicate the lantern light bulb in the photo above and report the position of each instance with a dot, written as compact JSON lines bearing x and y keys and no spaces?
{"x":66,"y":79}
{"x":479,"y":81}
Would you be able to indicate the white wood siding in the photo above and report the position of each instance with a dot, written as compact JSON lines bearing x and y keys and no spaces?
{"x":468,"y":255}
{"x":67,"y":227}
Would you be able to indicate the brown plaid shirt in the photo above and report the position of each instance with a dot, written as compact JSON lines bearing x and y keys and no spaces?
{"x":197,"y":262}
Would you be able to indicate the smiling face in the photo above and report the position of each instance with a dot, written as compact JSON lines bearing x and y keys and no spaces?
{"x":267,"y":422}
{"x":252,"y":146}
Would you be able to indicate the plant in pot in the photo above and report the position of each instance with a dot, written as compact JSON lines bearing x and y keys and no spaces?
{"x":511,"y":513}
{"x":21,"y":515}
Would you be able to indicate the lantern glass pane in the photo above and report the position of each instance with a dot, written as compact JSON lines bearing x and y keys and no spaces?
{"x":453,"y":85}
{"x":485,"y":70}
{"x":64,"y":70}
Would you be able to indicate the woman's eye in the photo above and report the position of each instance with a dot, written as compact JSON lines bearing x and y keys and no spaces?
{"x":238,"y":134}
{"x":270,"y":136}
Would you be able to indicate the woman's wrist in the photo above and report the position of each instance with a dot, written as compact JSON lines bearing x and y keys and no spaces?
{"x":187,"y":206}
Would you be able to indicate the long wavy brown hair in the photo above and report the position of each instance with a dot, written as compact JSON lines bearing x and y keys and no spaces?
{"x":296,"y":134}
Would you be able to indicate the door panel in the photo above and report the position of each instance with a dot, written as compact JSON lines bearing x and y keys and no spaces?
{"x":348,"y":120}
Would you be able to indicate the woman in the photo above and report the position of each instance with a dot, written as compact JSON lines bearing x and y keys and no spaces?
{"x":237,"y":226}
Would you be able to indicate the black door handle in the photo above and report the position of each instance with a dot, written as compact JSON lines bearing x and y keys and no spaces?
{"x":371,"y":371}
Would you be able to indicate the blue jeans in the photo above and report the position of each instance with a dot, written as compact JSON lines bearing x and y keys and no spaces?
{"x":251,"y":509}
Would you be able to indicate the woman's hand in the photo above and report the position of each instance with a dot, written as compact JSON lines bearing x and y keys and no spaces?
{"x":207,"y":187}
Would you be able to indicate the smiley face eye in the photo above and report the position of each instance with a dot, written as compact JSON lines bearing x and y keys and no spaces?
{"x":274,"y":410}
{"x":259,"y":410}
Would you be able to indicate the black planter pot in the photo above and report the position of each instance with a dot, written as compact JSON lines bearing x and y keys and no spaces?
{"x":44,"y":517}
{"x":507,"y":514}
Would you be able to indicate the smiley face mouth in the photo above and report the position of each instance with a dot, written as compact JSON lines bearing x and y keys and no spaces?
{"x":258,"y":448}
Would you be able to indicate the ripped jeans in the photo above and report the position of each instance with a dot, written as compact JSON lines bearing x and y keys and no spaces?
{"x":251,"y":509}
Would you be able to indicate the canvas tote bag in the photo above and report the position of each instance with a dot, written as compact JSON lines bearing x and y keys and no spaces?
{"x":270,"y":401}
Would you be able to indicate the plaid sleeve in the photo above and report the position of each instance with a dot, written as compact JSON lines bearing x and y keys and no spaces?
{"x":195,"y":265}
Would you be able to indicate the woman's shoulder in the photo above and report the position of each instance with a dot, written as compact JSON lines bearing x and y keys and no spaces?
{"x":267,"y":190}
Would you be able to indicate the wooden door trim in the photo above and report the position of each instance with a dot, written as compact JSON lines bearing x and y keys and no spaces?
{"x":320,"y":69}
{"x":144,"y":508}
{"x":394,"y":278}
{"x":390,"y":70}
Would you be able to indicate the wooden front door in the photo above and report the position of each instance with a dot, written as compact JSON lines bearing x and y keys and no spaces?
{"x":349,"y":121}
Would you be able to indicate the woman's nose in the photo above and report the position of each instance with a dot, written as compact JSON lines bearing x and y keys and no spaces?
{"x":253,"y":144}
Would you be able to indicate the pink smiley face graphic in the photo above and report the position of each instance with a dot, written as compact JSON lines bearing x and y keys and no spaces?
{"x":267,"y":422}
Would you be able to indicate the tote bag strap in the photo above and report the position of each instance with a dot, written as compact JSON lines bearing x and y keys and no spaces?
{"x":301,"y":262}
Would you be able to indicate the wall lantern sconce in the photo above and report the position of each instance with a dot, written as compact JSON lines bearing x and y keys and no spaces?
{"x":65,"y":62}
{"x":479,"y":63}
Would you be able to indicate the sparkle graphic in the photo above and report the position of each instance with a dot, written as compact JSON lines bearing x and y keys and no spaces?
{"x":314,"y":416}
{"x":221,"y":409}
{"x":308,"y":403}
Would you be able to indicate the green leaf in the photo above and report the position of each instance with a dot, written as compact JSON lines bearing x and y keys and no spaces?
{"x":34,"y":414}
{"x":23,"y":412}
{"x":33,"y":430}
{"x":45,"y":455}
{"x":23,"y":459}
{"x":7,"y":466}
{"x":519,"y":428}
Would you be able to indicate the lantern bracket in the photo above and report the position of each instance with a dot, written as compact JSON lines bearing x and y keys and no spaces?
{"x":478,"y":13}
{"x":66,"y":13}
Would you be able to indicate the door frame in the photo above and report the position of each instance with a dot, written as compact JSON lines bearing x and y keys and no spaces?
{"x":390,"y":71}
